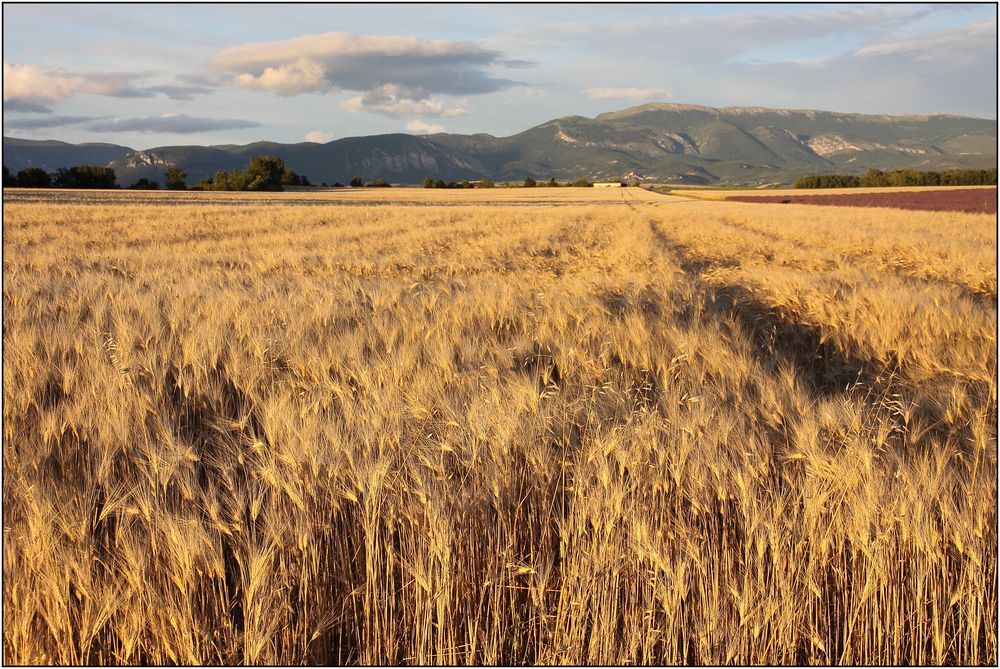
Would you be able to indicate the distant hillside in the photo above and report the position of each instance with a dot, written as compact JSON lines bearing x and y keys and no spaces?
{"x":50,"y":155}
{"x":399,"y":158}
{"x":694,"y":144}
{"x":653,"y":142}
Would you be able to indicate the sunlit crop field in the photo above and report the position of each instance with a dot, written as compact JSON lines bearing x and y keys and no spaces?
{"x":348,"y":196}
{"x":549,"y":426}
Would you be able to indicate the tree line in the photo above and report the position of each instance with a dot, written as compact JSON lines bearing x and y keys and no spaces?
{"x":529,"y":182}
{"x":263,"y":173}
{"x":877,"y":178}
{"x":80,"y":176}
{"x":483,"y":183}
{"x":268,"y":173}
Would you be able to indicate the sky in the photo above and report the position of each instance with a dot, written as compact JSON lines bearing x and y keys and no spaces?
{"x":164,"y":74}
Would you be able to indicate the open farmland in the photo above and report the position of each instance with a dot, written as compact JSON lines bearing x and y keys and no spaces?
{"x":365,"y":197}
{"x":501,"y":427}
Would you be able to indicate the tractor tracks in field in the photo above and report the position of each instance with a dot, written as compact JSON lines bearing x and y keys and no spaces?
{"x":864,"y":260}
{"x":827,"y":365}
{"x":777,"y":337}
{"x":868,"y":260}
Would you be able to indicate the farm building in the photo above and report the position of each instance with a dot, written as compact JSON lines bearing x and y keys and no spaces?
{"x":607,"y":184}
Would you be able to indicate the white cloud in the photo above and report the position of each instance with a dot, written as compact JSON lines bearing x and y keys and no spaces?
{"x":29,"y":87}
{"x":27,"y":83}
{"x":932,"y":47}
{"x":302,"y":76}
{"x":717,"y":39}
{"x":853,"y":59}
{"x":396,"y":74}
{"x":421,"y":128}
{"x":330,"y":61}
{"x":49,"y":121}
{"x":628,"y":93}
{"x":30,"y":83}
{"x":394,"y":100}
{"x":319,"y":136}
{"x":164,"y":123}
{"x":180,"y":91}
{"x":945,"y":71}
{"x":170,"y":123}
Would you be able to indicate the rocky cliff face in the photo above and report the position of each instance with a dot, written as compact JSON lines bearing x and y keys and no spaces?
{"x":140,"y":159}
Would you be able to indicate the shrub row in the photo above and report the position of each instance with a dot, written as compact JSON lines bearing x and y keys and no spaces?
{"x":876,"y":178}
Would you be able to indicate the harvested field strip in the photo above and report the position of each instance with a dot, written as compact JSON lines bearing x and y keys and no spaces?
{"x":719,"y":193}
{"x":974,"y":200}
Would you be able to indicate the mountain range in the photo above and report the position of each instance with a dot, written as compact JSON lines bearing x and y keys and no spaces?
{"x":656,"y":142}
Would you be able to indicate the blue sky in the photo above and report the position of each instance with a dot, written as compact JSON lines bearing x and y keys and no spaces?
{"x":154,"y":75}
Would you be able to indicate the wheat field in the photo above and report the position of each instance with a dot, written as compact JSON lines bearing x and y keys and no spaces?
{"x":600,"y":428}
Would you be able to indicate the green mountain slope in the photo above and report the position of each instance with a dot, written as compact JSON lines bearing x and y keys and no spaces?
{"x":653,"y":142}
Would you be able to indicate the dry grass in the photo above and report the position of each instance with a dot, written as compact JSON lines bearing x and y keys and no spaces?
{"x":356,"y":196}
{"x":633,"y":431}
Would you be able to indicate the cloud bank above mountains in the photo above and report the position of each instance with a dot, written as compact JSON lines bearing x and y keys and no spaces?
{"x":180,"y":124}
{"x":464,"y":68}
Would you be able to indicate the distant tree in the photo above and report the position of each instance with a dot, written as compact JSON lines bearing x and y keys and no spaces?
{"x":9,"y":180}
{"x":145,"y":184}
{"x":873,"y":177}
{"x":290,"y":178}
{"x":486,"y":183}
{"x":581,"y":183}
{"x":222,"y":181}
{"x":33,"y":177}
{"x":529,"y":182}
{"x":828,"y":181}
{"x":379,"y":183}
{"x":265,"y":173}
{"x":175,"y":178}
{"x":552,"y":183}
{"x":430,"y":183}
{"x":356,"y":182}
{"x":85,"y":176}
{"x":229,"y":181}
{"x":337,"y":184}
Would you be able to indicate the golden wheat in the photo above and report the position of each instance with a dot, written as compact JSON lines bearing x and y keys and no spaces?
{"x":626,"y":429}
